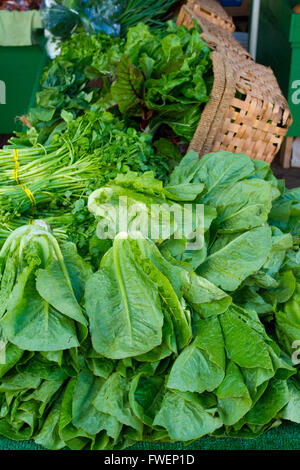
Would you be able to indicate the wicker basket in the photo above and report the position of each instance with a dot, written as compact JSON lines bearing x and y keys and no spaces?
{"x":247,"y":111}
{"x":210,"y":10}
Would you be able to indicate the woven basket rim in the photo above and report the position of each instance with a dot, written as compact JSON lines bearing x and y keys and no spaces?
{"x":213,"y":11}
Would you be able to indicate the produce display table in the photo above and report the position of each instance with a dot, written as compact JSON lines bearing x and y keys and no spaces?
{"x":287,"y":437}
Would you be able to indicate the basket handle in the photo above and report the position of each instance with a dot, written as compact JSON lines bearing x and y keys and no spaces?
{"x":222,"y":93}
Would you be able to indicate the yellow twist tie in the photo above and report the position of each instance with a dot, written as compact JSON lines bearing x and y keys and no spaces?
{"x":16,"y":176}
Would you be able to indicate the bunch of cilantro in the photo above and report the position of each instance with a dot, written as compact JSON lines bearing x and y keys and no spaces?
{"x":67,"y":82}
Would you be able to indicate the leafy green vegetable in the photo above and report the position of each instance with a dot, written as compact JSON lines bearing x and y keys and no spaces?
{"x":161,"y":342}
{"x":185,"y":417}
{"x":126,"y":317}
{"x":227,"y":266}
{"x":67,"y":83}
{"x":40,"y":311}
{"x":150,"y":12}
{"x":164,"y":79}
